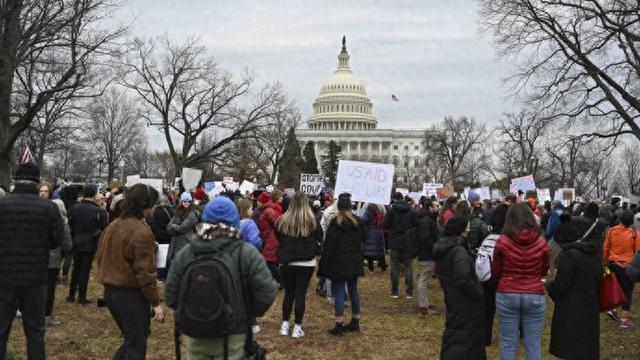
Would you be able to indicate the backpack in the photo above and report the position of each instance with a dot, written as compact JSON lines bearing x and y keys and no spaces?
{"x":485,"y":257}
{"x":210,"y":298}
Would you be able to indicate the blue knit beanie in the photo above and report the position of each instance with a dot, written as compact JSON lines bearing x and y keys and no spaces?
{"x":221,"y":210}
{"x":186,"y":197}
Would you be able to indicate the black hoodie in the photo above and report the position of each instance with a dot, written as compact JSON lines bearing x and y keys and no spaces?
{"x":342,"y":254}
{"x":401,"y":221}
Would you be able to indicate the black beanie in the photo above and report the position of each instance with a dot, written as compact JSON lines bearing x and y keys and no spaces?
{"x":566,"y":233}
{"x":456,"y":225}
{"x":344,"y":201}
{"x":592,"y":210}
{"x":89,"y":191}
{"x":27,"y":172}
{"x":398,"y":196}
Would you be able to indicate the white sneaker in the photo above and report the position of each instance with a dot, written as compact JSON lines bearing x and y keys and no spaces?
{"x":284,"y":328}
{"x":18,"y":313}
{"x":255,"y":329}
{"x":297,"y":331}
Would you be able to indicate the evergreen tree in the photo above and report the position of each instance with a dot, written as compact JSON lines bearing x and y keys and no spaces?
{"x":330,"y":162}
{"x":310,"y":165}
{"x":291,"y":162}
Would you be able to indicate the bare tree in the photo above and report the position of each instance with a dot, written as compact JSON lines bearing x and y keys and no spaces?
{"x":579,"y":59}
{"x":451,"y":142}
{"x":48,"y":47}
{"x":600,"y":171}
{"x":187,"y":95}
{"x":115,"y":127}
{"x":272,"y":138}
{"x":568,"y":159}
{"x":631,"y":168}
{"x":523,"y":131}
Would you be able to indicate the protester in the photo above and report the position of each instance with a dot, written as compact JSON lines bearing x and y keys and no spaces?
{"x":86,"y":220}
{"x":490,"y":287}
{"x":575,"y":328}
{"x":341,"y":262}
{"x":270,"y":212}
{"x":69,"y":195}
{"x":463,"y":337}
{"x":589,"y":225}
{"x":317,"y":210}
{"x":161,"y":217}
{"x":249,"y":231}
{"x":218,"y":232}
{"x":447,"y":211}
{"x":55,"y":260}
{"x":300,"y":238}
{"x":30,"y":227}
{"x":182,"y":226}
{"x":200,"y":200}
{"x":127,"y":269}
{"x":478,"y":230}
{"x":324,"y":286}
{"x":374,"y":247}
{"x":620,"y":245}
{"x":520,"y":260}
{"x":427,"y":237}
{"x":401,"y":222}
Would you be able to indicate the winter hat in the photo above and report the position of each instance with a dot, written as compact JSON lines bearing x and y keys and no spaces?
{"x":456,"y":225}
{"x":61,"y":209}
{"x":264,"y":197}
{"x":316,"y":204}
{"x":27,"y":172}
{"x":185,"y":196}
{"x":89,"y":191}
{"x":344,"y":202}
{"x":221,"y":210}
{"x":199,"y":194}
{"x":473,"y":196}
{"x":398,"y":196}
{"x":592,"y":210}
{"x":566,"y":233}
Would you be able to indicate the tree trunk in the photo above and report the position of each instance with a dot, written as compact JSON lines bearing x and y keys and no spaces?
{"x":5,"y":169}
{"x":110,"y":172}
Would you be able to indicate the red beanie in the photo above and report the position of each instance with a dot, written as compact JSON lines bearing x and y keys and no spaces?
{"x":264,"y":198}
{"x":199,"y":194}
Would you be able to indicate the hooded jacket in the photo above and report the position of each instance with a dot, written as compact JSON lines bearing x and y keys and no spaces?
{"x":342,"y":257}
{"x":401,"y":221}
{"x":269,"y":215}
{"x":520,"y":262}
{"x":463,"y":337}
{"x":374,"y":245}
{"x":584,"y":223}
{"x":575,"y":328}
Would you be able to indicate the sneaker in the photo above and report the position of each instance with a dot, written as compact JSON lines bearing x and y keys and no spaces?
{"x":50,"y":321}
{"x":394,"y":296}
{"x":255,"y":329}
{"x":626,"y":324}
{"x":18,"y":313}
{"x":284,"y":328}
{"x":409,"y":296}
{"x":331,"y":301}
{"x":613,"y":314}
{"x":297,"y":331}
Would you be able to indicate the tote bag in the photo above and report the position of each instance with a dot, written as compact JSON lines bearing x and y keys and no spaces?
{"x":611,"y":294}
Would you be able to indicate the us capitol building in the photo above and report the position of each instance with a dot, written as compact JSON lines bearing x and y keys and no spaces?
{"x":344,"y":113}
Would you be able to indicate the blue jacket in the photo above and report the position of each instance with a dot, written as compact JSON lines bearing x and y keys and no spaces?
{"x":374,"y":245}
{"x":250,"y":233}
{"x":554,"y":221}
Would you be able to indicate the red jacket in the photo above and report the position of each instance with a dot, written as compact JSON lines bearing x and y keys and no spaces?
{"x":269,"y":215}
{"x":521,"y":262}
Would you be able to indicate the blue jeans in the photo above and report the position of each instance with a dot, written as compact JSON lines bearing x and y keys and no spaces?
{"x":339,"y":293}
{"x":523,"y":312}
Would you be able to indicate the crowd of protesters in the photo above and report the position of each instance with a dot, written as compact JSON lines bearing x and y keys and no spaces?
{"x":270,"y":241}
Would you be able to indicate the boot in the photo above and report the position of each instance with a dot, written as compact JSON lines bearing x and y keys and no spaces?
{"x":354,"y":325}
{"x":338,"y":330}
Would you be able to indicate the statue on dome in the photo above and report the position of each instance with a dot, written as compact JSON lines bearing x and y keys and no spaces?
{"x":344,"y":41}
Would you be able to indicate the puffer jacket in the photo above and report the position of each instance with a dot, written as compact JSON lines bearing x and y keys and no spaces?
{"x":299,"y":248}
{"x":374,"y":245}
{"x":520,"y":262}
{"x":342,"y":258}
{"x":401,"y":221}
{"x":87,"y":220}
{"x":182,"y":230}
{"x":269,"y":215}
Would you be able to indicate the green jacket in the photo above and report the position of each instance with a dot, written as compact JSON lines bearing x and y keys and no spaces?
{"x":262,"y":291}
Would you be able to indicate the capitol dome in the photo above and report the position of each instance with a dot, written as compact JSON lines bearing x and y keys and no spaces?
{"x":343,"y":103}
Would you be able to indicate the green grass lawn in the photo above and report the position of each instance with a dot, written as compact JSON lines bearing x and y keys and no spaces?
{"x":391,"y":329}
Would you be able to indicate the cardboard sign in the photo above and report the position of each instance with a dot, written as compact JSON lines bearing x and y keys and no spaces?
{"x":311,"y":184}
{"x":191,"y":178}
{"x":543,"y":195}
{"x":565,"y":195}
{"x":430,"y":189}
{"x":366,"y":182}
{"x":445,"y":192}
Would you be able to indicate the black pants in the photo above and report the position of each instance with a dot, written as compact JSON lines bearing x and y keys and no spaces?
{"x":626,"y":284}
{"x":82,"y":262}
{"x":382,"y":262}
{"x":274,"y":268}
{"x":131,"y":312}
{"x":296,"y":282}
{"x":489,"y":291}
{"x":52,"y":282}
{"x":66,"y":263}
{"x":31,"y":301}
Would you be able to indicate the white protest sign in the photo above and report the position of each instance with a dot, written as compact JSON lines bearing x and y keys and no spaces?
{"x":416,"y":196}
{"x":232,"y":186}
{"x":403,"y":191}
{"x":496,"y":194}
{"x":430,"y":189}
{"x":246,"y":186}
{"x":269,"y":188}
{"x":311,"y":184}
{"x":190,"y":178}
{"x":132,"y":180}
{"x":154,"y":183}
{"x":366,"y":182}
{"x":483,"y":192}
{"x":543,"y":195}
{"x":565,"y":195}
{"x":227,"y":179}
{"x":523,"y":183}
{"x":215,"y":191}
{"x":161,"y":256}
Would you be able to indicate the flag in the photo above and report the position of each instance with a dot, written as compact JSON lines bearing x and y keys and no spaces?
{"x":27,"y":157}
{"x":394,"y":98}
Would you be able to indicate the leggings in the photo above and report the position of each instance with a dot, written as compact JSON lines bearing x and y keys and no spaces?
{"x":626,"y":284}
{"x":296,"y":281}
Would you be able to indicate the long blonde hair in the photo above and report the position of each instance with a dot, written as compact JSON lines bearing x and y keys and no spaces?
{"x":298,"y":220}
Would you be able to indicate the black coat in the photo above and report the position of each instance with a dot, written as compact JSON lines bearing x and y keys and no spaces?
{"x":342,"y":257}
{"x":301,"y":248}
{"x":161,"y":217}
{"x":596,"y":236}
{"x":87,"y":220}
{"x":427,"y":236}
{"x":401,"y":221}
{"x":463,"y":337}
{"x":575,"y":328}
{"x":30,"y":226}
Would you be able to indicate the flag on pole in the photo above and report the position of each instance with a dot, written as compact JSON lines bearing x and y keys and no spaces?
{"x":27,"y":156}
{"x":394,"y":98}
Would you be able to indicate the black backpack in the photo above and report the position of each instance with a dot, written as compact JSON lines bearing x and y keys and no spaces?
{"x":210,"y":301}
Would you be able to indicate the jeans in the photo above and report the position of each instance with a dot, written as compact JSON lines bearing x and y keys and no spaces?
{"x":424,"y":277}
{"x":132,"y":313}
{"x":52,"y":282}
{"x":520,"y":310}
{"x":31,"y":300}
{"x":82,"y":262}
{"x":397,"y":257}
{"x":296,"y":282}
{"x":339,"y":293}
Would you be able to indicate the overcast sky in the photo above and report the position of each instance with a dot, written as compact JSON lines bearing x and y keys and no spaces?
{"x":429,"y":53}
